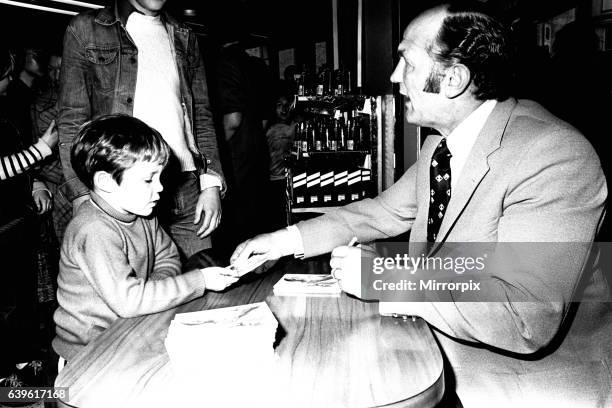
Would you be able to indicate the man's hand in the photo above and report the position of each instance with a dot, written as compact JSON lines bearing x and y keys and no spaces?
{"x":43,"y":201}
{"x":346,"y":267}
{"x":217,"y":278}
{"x":76,"y":203}
{"x":266,"y":247}
{"x":51,"y":137}
{"x":209,"y":203}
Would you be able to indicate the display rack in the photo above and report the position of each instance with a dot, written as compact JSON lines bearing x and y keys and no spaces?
{"x":333,"y":160}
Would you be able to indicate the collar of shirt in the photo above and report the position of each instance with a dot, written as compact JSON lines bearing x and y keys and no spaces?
{"x":124,"y":9}
{"x":461,"y":140}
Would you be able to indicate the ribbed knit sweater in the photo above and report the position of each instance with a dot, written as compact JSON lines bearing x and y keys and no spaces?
{"x":115,"y":265}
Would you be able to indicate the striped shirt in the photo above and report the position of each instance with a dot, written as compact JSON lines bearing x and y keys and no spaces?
{"x":17,"y":163}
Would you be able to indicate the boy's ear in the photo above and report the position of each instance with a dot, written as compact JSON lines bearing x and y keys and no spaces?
{"x":105,"y":181}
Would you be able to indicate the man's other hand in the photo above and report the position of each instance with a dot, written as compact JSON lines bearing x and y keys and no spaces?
{"x":209,"y":203}
{"x":346,"y":267}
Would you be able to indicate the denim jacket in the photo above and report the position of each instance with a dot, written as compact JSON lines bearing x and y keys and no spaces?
{"x":98,"y":77}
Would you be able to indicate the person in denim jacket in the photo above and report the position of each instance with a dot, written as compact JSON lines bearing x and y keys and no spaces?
{"x":133,"y":58}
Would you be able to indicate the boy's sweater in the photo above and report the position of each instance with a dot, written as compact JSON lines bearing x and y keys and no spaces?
{"x":115,"y":265}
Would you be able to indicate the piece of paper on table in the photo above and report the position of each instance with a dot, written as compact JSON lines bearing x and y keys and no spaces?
{"x":217,"y":351}
{"x":298,"y":284}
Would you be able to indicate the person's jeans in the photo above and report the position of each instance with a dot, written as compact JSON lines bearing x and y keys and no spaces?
{"x":176,"y":212}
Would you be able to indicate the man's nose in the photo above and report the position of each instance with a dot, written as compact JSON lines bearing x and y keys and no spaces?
{"x":398,"y":73}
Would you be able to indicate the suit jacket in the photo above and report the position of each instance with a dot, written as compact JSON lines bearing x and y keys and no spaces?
{"x":529,"y":178}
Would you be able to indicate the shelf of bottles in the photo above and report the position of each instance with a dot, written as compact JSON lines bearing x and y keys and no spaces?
{"x":334,"y":147}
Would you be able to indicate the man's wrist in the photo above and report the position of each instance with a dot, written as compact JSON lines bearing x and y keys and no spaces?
{"x":209,"y":181}
{"x":294,"y":245}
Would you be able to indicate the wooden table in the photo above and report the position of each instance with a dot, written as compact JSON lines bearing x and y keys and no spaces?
{"x":334,"y":352}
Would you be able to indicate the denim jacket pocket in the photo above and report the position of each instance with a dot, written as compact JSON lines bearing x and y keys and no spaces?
{"x":104,"y":60}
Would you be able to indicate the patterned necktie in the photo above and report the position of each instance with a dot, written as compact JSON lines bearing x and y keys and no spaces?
{"x":440,"y":189}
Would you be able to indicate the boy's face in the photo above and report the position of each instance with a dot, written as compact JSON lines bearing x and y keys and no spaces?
{"x":139,"y":190}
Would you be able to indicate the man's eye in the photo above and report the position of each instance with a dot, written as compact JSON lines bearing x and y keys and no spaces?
{"x":149,"y":181}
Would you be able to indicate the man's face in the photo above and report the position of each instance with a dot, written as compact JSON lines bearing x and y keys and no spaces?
{"x":139,"y":190}
{"x":55,"y":63}
{"x":416,"y":71}
{"x":148,"y":7}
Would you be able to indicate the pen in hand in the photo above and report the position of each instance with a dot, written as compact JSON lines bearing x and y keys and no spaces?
{"x":354,"y":242}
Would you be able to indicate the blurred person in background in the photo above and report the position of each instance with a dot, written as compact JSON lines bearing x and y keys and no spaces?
{"x":20,"y":362}
{"x":280,"y":136}
{"x":240,"y":101}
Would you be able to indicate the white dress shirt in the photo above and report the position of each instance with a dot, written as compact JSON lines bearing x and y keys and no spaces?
{"x":461,"y":140}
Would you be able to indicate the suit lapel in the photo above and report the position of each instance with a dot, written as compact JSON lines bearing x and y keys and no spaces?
{"x":476,"y":166}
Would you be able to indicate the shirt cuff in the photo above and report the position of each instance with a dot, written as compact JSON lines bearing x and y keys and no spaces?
{"x":209,"y":180}
{"x":203,"y":276}
{"x":40,"y":186}
{"x":296,"y":241}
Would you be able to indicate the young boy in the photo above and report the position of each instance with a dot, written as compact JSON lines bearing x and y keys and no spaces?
{"x":116,"y":261}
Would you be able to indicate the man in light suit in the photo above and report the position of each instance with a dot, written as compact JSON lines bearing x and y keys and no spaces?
{"x":502,"y":171}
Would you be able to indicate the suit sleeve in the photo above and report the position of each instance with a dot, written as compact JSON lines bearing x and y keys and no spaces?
{"x":106,"y":267}
{"x":74,"y":107}
{"x":390,"y":214}
{"x":554,"y":201}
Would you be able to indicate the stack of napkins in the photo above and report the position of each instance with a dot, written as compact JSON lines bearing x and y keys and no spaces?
{"x":222,"y":350}
{"x":298,"y":284}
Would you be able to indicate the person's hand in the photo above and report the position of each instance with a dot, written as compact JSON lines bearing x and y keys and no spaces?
{"x":346,"y":267}
{"x":209,"y":203}
{"x":51,"y":137}
{"x":76,"y":203}
{"x":217,"y":278}
{"x":254,"y":252}
{"x":43,"y":201}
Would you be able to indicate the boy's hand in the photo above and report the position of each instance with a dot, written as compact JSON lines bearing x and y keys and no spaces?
{"x":218,"y":278}
{"x":209,"y":203}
